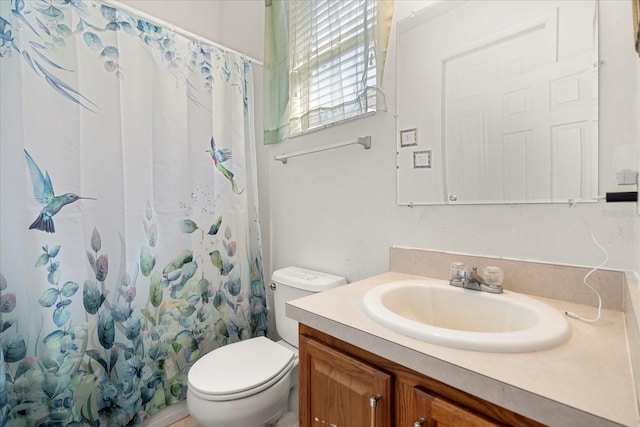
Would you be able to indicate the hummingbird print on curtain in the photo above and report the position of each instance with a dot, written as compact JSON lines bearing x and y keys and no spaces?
{"x":43,"y":193}
{"x":219,"y":156}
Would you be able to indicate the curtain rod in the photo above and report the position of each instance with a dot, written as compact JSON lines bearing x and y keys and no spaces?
{"x":178,"y":30}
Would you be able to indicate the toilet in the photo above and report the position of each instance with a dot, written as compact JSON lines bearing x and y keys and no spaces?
{"x":254,"y":383}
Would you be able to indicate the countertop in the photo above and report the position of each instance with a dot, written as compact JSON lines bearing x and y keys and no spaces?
{"x":586,"y":381}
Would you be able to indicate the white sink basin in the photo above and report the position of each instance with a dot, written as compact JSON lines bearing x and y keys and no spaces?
{"x":433,"y":311}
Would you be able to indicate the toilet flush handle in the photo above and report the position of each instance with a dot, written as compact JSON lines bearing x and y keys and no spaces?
{"x":272,"y":286}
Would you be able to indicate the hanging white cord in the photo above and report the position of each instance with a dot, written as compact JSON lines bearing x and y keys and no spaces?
{"x":571,"y":314}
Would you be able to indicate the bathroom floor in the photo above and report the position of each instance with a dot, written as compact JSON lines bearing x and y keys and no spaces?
{"x":185,"y":422}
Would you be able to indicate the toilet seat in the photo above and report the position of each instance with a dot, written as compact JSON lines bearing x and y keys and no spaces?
{"x":241,"y":369}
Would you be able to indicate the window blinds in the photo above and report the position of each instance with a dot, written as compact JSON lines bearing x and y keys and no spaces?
{"x":332,"y":62}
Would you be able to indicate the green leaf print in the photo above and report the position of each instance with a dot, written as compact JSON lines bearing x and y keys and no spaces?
{"x":106,"y":329}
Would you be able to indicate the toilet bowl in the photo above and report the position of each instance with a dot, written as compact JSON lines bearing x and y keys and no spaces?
{"x":246,"y":384}
{"x":254,"y":383}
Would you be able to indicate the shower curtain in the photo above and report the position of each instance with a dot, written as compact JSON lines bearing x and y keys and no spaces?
{"x":129,"y":234}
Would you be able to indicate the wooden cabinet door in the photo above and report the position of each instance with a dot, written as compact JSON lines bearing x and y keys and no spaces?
{"x":336,"y":389}
{"x":435,"y":411}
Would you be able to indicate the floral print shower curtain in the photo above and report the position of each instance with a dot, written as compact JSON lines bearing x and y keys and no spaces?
{"x":129,"y":234}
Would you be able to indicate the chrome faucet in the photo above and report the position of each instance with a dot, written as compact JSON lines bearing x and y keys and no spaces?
{"x":472,"y":280}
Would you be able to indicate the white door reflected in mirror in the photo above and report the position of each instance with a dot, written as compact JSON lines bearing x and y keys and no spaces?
{"x":504,"y":96}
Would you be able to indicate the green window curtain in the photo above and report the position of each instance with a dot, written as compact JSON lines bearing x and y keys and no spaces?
{"x":383,"y":31}
{"x":283,"y":116}
{"x":276,"y":71}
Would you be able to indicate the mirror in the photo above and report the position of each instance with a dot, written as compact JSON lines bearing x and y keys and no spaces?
{"x":497,"y":102}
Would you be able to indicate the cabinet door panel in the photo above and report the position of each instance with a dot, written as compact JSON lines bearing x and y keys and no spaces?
{"x":440,"y":412}
{"x":335,"y":389}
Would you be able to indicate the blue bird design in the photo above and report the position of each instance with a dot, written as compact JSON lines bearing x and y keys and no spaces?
{"x":43,"y":193}
{"x":220,"y":155}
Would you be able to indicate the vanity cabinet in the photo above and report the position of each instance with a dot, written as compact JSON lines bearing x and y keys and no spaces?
{"x":339,"y":390}
{"x":435,"y":411}
{"x":338,"y":382}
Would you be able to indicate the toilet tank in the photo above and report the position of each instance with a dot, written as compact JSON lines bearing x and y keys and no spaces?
{"x":294,"y":282}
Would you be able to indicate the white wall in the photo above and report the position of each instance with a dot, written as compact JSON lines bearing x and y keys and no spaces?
{"x":198,"y":16}
{"x":335,"y":211}
{"x":637,"y":222}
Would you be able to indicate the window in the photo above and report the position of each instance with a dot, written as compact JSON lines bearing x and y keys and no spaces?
{"x":324,"y":61}
{"x":332,"y":62}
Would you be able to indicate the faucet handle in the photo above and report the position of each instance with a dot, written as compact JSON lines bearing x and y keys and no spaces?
{"x":493,"y":275}
{"x":456,"y":270}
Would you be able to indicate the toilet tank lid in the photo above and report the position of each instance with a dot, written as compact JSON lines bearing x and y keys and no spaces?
{"x":303,"y":278}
